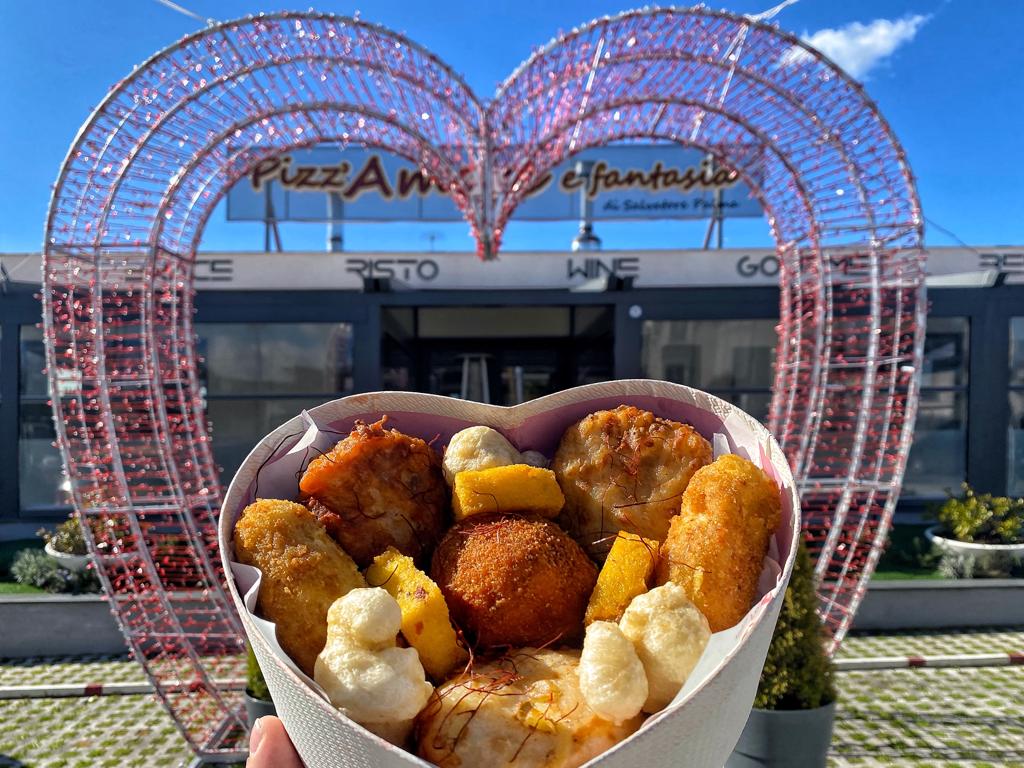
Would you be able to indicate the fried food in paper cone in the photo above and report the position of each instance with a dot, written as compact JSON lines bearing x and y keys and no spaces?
{"x":625,"y":470}
{"x":514,"y":581}
{"x":717,"y":544}
{"x":522,"y":710}
{"x":304,"y":572}
{"x":379,"y":488}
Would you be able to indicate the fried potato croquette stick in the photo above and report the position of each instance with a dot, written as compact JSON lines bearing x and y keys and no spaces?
{"x":304,"y":572}
{"x":717,"y":544}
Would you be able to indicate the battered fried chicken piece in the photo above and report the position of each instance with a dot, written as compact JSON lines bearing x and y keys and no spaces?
{"x":304,"y":572}
{"x":717,"y":544}
{"x":513,"y":581}
{"x":524,"y":710}
{"x":625,"y":470}
{"x":378,"y":488}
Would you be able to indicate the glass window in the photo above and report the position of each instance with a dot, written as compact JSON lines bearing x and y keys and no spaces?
{"x":1015,"y":468}
{"x":237,"y":424}
{"x":729,"y":358}
{"x":275,"y":358}
{"x":41,"y":480}
{"x":1015,"y":436}
{"x":33,"y":362}
{"x":259,"y":375}
{"x":492,"y":322}
{"x":1017,"y":351}
{"x":945,"y":352}
{"x":938,"y":456}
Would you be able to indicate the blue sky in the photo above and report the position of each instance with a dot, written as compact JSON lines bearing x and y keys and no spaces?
{"x":947,"y":74}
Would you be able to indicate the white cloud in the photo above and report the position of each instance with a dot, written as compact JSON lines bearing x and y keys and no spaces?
{"x":859,"y":48}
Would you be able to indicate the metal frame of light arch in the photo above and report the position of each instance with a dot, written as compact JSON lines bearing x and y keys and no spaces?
{"x":149,"y":166}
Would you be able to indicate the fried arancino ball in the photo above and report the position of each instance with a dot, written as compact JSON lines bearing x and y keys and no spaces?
{"x":625,"y":470}
{"x":515,"y":581}
{"x":716,"y":546}
{"x":522,"y":710}
{"x":378,"y":488}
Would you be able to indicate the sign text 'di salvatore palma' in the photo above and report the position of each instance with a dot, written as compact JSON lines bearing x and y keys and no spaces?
{"x":622,"y":182}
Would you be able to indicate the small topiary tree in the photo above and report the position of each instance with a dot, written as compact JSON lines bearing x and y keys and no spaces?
{"x":797,"y":674}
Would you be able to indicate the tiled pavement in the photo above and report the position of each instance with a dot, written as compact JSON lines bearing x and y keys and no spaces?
{"x":89,"y":732}
{"x":916,"y":717}
{"x":89,"y":670}
{"x":930,"y":717}
{"x":934,"y":643}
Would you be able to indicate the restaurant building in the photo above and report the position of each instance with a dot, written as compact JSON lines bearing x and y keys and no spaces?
{"x":283,"y":332}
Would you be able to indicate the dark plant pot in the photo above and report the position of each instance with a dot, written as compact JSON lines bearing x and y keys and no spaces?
{"x":257,"y":708}
{"x":797,"y":738}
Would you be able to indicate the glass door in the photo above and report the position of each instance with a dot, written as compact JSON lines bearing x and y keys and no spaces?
{"x":498,"y":355}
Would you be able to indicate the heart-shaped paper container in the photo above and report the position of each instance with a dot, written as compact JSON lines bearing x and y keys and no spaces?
{"x":704,"y":722}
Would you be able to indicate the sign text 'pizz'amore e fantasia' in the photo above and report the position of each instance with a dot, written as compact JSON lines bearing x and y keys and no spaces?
{"x":621,"y":182}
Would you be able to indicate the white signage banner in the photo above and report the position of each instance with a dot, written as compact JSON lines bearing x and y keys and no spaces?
{"x":947,"y":267}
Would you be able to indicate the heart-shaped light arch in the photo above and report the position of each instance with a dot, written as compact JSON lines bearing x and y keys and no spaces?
{"x":156,"y":156}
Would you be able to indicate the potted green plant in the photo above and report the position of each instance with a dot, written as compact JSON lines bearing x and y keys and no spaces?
{"x":980,"y":528}
{"x":67,"y":545}
{"x":257,"y":696}
{"x":791,"y":722}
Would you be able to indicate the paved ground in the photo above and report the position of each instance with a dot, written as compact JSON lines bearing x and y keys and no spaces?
{"x":934,"y":643}
{"x":930,"y":717}
{"x":916,"y":717}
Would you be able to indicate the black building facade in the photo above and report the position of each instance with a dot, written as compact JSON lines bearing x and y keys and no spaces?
{"x":275,"y":341}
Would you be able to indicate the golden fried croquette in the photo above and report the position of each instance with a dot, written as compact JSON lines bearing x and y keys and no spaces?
{"x":717,"y":544}
{"x":625,"y":470}
{"x":513,"y":581}
{"x":376,"y":489}
{"x":304,"y":572}
{"x":524,"y":709}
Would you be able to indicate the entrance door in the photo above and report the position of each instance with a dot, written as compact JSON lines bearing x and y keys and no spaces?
{"x":495,"y":371}
{"x":498,"y":355}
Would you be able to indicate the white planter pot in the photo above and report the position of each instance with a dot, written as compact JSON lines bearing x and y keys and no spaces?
{"x":73,"y":563}
{"x":983,"y":553}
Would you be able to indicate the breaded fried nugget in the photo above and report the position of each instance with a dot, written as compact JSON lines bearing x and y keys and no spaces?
{"x":378,"y":488}
{"x":513,"y":581}
{"x":304,"y":572}
{"x":625,"y":470}
{"x":717,"y":544}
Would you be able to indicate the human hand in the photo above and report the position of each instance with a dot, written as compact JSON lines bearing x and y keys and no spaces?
{"x":270,"y":747}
